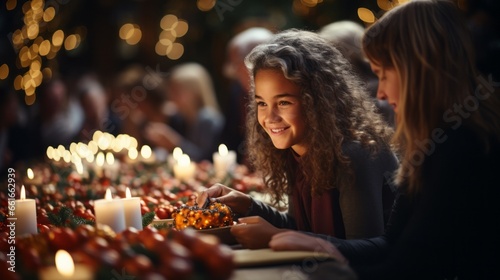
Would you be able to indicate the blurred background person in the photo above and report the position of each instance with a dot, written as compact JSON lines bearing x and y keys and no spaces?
{"x":8,"y":119}
{"x":346,"y":37}
{"x":60,"y":115}
{"x":139,"y":98}
{"x":238,"y":48}
{"x":94,"y":102}
{"x":191,"y":91}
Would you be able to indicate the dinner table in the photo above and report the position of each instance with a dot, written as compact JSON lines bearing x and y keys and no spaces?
{"x":266,"y":264}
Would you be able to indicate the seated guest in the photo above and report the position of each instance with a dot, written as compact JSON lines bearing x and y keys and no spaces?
{"x":190,"y":89}
{"x":315,"y":137}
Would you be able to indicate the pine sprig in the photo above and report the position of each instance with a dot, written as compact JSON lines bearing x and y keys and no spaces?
{"x":65,"y":218}
{"x":148,"y":218}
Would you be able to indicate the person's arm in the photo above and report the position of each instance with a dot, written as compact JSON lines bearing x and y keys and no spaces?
{"x":271,"y":214}
{"x":362,"y":204}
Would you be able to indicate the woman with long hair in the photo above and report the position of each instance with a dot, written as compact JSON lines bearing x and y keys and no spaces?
{"x":444,"y":224}
{"x":315,"y":136}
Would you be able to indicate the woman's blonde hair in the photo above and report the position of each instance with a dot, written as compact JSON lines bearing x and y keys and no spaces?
{"x":197,"y":78}
{"x":337,"y":110}
{"x":427,"y":43}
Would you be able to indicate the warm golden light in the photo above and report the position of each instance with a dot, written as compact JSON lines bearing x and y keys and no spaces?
{"x":108,"y":195}
{"x":33,"y":30}
{"x":223,"y":150}
{"x":168,"y":21}
{"x":126,"y":31}
{"x":71,"y":42}
{"x":181,"y":28}
{"x":11,"y":5}
{"x":50,"y":152}
{"x":110,"y":158}
{"x":29,"y":99}
{"x":93,"y":147}
{"x":99,"y":160}
{"x":205,"y":5}
{"x":30,"y":173}
{"x":177,"y":153}
{"x":133,"y":153}
{"x":58,"y":38}
{"x":4,"y":71}
{"x":366,"y":15}
{"x":79,"y":167}
{"x":146,"y":151}
{"x":64,"y":263}
{"x":184,"y":160}
{"x":22,"y":196}
{"x":49,"y":14}
{"x":176,"y":52}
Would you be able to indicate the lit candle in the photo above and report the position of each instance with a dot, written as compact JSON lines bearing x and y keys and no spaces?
{"x":147,"y":154}
{"x":109,"y":211}
{"x":112,"y":166}
{"x":224,"y":161}
{"x":132,"y":207}
{"x":65,"y":269}
{"x":99,"y":163}
{"x":25,"y":214}
{"x":184,"y":169}
{"x":32,"y":178}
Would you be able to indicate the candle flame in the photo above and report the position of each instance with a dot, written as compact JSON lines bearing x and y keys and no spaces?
{"x":64,"y":263}
{"x":79,"y":167}
{"x":177,"y":153}
{"x":184,"y":160}
{"x":110,"y":158}
{"x":23,"y":193}
{"x":146,"y":151}
{"x":127,"y":193}
{"x":99,"y":160}
{"x":108,"y":195}
{"x":30,"y":173}
{"x":223,"y":150}
{"x":132,"y":153}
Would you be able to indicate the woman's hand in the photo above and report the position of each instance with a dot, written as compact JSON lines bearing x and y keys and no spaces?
{"x":295,"y":241}
{"x":254,"y":232}
{"x":236,"y":200}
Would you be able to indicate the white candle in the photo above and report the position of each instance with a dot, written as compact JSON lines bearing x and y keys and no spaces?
{"x":109,"y":211}
{"x":224,"y":161}
{"x":99,"y":163}
{"x":132,"y":207}
{"x":65,"y":269}
{"x":25,"y":214}
{"x":147,"y":155}
{"x":184,"y":169}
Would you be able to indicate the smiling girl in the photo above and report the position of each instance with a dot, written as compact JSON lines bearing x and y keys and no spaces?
{"x":315,"y":137}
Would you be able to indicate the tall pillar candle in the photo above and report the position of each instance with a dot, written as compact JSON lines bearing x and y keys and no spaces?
{"x":132,"y":207}
{"x":25,"y":214}
{"x":184,"y":169}
{"x":224,"y":161}
{"x":109,"y":211}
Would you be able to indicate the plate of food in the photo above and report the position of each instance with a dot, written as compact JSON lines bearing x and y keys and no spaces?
{"x":215,"y":219}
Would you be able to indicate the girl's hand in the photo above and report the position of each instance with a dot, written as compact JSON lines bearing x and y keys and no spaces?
{"x":254,"y":232}
{"x":236,"y":200}
{"x":295,"y":241}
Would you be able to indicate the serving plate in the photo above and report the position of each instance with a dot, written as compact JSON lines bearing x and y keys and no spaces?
{"x":223,"y":233}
